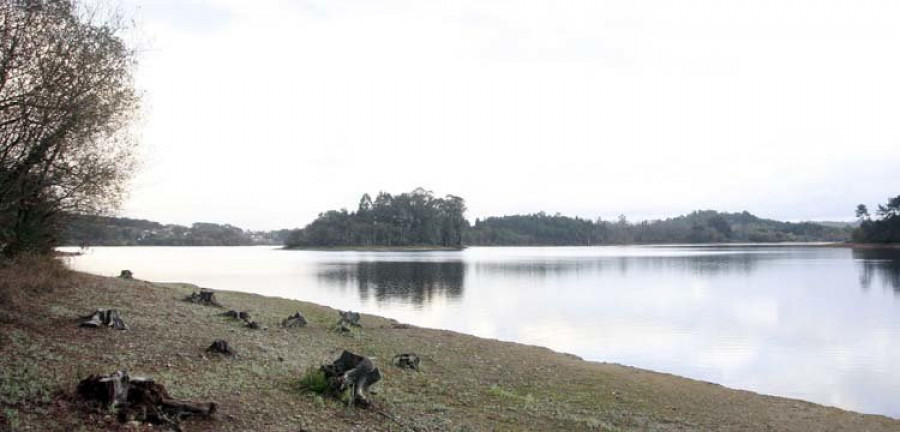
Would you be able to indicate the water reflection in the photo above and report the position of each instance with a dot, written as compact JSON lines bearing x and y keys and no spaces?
{"x":879,"y":265}
{"x":421,"y":282}
{"x":409,"y":281}
{"x":709,"y":264}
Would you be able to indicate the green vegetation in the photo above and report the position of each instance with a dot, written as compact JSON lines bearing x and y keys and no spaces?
{"x":314,"y":380}
{"x":67,"y":99}
{"x":707,"y":226}
{"x":500,"y":392}
{"x":884,"y":228}
{"x":111,"y":231}
{"x":409,"y":219}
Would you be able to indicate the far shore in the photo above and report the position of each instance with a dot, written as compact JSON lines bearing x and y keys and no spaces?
{"x":864,"y":245}
{"x":376,"y":248}
{"x":850,"y":245}
{"x":739,"y":244}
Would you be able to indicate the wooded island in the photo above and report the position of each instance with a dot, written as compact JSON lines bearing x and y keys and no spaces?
{"x":417,"y":218}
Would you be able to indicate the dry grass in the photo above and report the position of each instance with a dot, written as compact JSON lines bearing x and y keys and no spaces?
{"x":466,"y":383}
{"x":28,"y":277}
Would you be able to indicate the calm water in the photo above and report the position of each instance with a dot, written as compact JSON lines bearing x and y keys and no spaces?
{"x":820,"y":324}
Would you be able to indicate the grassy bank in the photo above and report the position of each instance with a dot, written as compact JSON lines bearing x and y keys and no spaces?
{"x":466,"y":383}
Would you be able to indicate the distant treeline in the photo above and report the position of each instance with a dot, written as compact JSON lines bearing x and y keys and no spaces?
{"x":884,"y":228}
{"x":112,"y":231}
{"x":706,"y":226}
{"x":417,"y":218}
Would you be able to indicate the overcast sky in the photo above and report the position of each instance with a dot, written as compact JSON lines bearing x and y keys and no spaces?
{"x":263,"y":113}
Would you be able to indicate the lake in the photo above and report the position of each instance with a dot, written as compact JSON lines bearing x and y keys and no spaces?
{"x":815,"y":323}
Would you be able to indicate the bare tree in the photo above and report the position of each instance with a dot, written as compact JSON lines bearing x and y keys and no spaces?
{"x":67,"y":98}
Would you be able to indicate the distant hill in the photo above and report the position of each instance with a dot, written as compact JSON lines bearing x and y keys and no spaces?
{"x":539,"y":229}
{"x":114,"y":231}
{"x":706,"y":226}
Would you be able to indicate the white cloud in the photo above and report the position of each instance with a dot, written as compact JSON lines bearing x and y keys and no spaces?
{"x":264,"y":113}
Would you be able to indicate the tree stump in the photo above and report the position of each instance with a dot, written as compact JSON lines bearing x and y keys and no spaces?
{"x":407,"y":360}
{"x":253,"y":325}
{"x":295,"y":320}
{"x":245,"y":317}
{"x":239,"y":315}
{"x":353,"y":372}
{"x":204,"y":297}
{"x":220,"y":346}
{"x":104,"y":318}
{"x":140,"y":399}
{"x":108,"y":390}
{"x":351,"y":318}
{"x":126,"y":274}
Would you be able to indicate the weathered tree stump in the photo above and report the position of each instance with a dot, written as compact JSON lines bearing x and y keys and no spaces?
{"x":204,"y":297}
{"x":350,"y":318}
{"x":239,"y":315}
{"x":245,"y":317}
{"x":104,"y":318}
{"x":220,"y":346}
{"x":353,"y":372}
{"x":126,"y":274}
{"x":108,"y":390}
{"x":295,"y":320}
{"x":407,"y":360}
{"x":140,"y":399}
{"x":253,"y":325}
